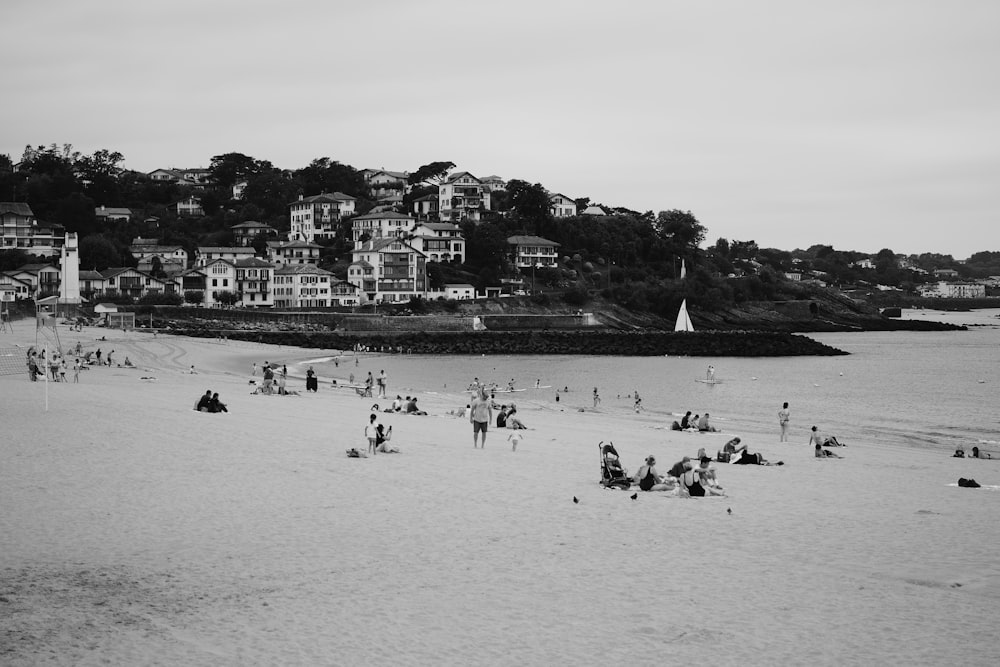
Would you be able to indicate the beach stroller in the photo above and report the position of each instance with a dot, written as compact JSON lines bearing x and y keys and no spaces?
{"x":613,"y":475}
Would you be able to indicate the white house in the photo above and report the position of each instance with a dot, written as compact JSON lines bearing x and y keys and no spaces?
{"x":254,"y":282}
{"x":440,"y":241}
{"x":220,"y":277}
{"x":282,"y":253}
{"x":381,"y":225}
{"x":317,"y":217}
{"x":206,"y":254}
{"x":388,"y":270}
{"x":462,"y":197}
{"x":561,"y":206}
{"x":302,"y":286}
{"x":533,"y":251}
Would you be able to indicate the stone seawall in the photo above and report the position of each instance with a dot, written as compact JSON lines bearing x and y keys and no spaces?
{"x":695,"y":344}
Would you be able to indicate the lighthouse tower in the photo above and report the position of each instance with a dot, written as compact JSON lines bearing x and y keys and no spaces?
{"x":69,"y":276}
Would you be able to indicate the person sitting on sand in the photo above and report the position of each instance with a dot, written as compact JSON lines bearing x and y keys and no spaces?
{"x":202,"y":404}
{"x":680,"y":467}
{"x":704,"y":426}
{"x":412,"y":409}
{"x":649,"y":480}
{"x":693,"y":485}
{"x":128,"y":362}
{"x":748,"y":459}
{"x":959,"y":454}
{"x":708,"y":478}
{"x":382,"y":438}
{"x":818,"y":438}
{"x":502,"y":417}
{"x":397,"y":404}
{"x":729,"y":450}
{"x":976,"y":455}
{"x":826,"y":453}
{"x":512,"y":420}
{"x":215,"y":405}
{"x":686,"y":421}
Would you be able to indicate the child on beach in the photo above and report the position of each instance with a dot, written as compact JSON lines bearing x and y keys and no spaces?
{"x":371,"y":432}
{"x":514,"y":438}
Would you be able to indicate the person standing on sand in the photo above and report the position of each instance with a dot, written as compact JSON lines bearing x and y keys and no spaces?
{"x":253,"y":369}
{"x":382,"y":381}
{"x":784,"y":414}
{"x":597,"y":398}
{"x":514,"y":438}
{"x":371,"y":432}
{"x":76,"y":371}
{"x":481,"y":415}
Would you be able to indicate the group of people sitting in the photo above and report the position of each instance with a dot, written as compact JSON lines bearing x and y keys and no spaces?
{"x":407,"y":406}
{"x":695,"y":423}
{"x":688,"y":479}
{"x":210,"y":403}
{"x":819,"y":441}
{"x":507,"y":418}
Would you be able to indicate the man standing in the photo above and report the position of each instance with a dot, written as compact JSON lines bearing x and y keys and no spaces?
{"x":382,"y":380}
{"x":784,"y":414}
{"x":481,"y":415}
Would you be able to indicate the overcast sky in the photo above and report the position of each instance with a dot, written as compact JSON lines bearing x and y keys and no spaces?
{"x":859,"y":124}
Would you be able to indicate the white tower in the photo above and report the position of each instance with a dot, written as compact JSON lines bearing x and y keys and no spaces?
{"x":69,"y":276}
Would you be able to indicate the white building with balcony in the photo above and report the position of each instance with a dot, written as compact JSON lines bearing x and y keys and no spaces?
{"x":462,"y":197}
{"x":533,"y":251}
{"x":317,"y":217}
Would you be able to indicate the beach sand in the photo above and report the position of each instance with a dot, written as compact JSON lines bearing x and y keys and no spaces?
{"x":137,"y":531}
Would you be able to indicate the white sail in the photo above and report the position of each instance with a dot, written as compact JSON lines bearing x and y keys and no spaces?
{"x":683,"y":320}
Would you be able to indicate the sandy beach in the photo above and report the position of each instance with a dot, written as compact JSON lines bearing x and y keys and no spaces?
{"x":137,"y":531}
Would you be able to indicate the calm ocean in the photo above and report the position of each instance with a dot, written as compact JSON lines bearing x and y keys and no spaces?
{"x":895,"y":389}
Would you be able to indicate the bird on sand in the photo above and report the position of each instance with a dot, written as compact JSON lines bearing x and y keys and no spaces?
{"x":729,"y":510}
{"x":634,"y":496}
{"x":575,"y":499}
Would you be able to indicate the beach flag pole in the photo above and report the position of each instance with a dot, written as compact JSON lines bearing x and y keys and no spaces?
{"x":45,"y":373}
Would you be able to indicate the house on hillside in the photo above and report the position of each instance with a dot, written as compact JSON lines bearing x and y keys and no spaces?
{"x":135,"y":284}
{"x":388,"y":269}
{"x":245,"y":232}
{"x":494,"y":183}
{"x":44,"y":279}
{"x":302,"y":286}
{"x":384,"y":224}
{"x":440,"y":241}
{"x":254,"y":282}
{"x":283,"y":253}
{"x":206,"y":254}
{"x":462,"y":197}
{"x":20,"y":230}
{"x":187,"y":207}
{"x":426,"y":207}
{"x":533,"y":251}
{"x":112,"y":214}
{"x":385,"y":183}
{"x":593,"y":209}
{"x":561,"y":206}
{"x":91,"y":283}
{"x":220,"y":278}
{"x":318,"y":217}
{"x":14,"y":289}
{"x":166,"y":253}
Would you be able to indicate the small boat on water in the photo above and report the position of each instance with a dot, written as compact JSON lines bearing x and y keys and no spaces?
{"x":683,"y":319}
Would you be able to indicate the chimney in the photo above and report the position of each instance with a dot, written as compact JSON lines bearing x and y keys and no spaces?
{"x":300,"y":197}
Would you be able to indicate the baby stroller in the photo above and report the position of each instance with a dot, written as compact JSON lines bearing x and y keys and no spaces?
{"x":613,"y":475}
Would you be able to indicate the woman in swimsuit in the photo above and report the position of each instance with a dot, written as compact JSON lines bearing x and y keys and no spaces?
{"x":650,"y":480}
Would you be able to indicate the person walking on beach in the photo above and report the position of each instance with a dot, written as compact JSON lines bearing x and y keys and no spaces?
{"x":784,"y":414}
{"x":382,"y":380}
{"x":76,"y":371}
{"x":597,"y":398}
{"x":481,"y":415}
{"x":514,"y":438}
{"x":253,"y":370}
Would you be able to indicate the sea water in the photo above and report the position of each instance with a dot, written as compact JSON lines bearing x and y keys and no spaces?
{"x":935,"y":389}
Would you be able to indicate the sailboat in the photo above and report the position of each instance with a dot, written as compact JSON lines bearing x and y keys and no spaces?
{"x":683,"y":320}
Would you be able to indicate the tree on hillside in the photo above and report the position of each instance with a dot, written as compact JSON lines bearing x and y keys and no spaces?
{"x":99,"y":174}
{"x":97,"y":252}
{"x":326,"y":175}
{"x":433,"y":173}
{"x":229,"y":168}
{"x":271,"y":191}
{"x":530,"y":206}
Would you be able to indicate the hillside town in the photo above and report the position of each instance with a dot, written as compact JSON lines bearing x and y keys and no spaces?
{"x":401,"y":240}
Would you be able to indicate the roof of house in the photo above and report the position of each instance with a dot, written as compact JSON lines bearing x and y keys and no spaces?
{"x":155,"y":248}
{"x":253,"y":262}
{"x":230,"y":250}
{"x":326,"y":197}
{"x":91,"y":275}
{"x":33,"y":268}
{"x":277,"y":245}
{"x":141,"y":241}
{"x":112,"y":272}
{"x":559,"y":194}
{"x":460,"y":174}
{"x":289,"y":269}
{"x":441,"y":226}
{"x":16,"y":207}
{"x":395,"y":174}
{"x":530,"y":240}
{"x":384,"y":215}
{"x":431,"y":197}
{"x":459,"y":285}
{"x":379,"y":244}
{"x":593,"y":209}
{"x":105,"y":211}
{"x":251,"y":224}
{"x":362,"y":263}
